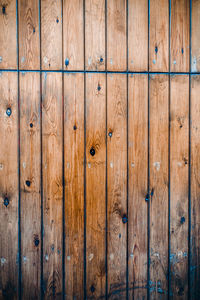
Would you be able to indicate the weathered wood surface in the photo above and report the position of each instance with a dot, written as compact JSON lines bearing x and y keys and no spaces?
{"x":74,"y":184}
{"x":9,"y":193}
{"x":158,"y":194}
{"x":73,"y":35}
{"x":29,"y":31}
{"x":8,"y":32}
{"x":180,"y":26}
{"x":51,"y":34}
{"x":137,"y":185}
{"x":159,"y":36}
{"x":117,"y":184}
{"x":99,"y":167}
{"x":52,"y":132}
{"x":95,"y":185}
{"x":30,"y":184}
{"x":138,"y":35}
{"x":195,"y":189}
{"x":179,"y":157}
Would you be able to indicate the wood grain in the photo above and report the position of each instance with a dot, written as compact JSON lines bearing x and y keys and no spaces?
{"x":159,"y":36}
{"x":9,"y":193}
{"x":116,"y":35}
{"x":117,"y":184}
{"x":95,"y":34}
{"x":179,"y":145}
{"x":159,"y":138}
{"x":195,"y":36}
{"x":195,"y":189}
{"x":179,"y":36}
{"x":95,"y":185}
{"x":52,"y":184}
{"x":138,"y":35}
{"x":30,"y":185}
{"x":74,"y":184}
{"x":137,"y":188}
{"x":29,"y":43}
{"x":73,"y":35}
{"x":8,"y":32}
{"x":51,"y":34}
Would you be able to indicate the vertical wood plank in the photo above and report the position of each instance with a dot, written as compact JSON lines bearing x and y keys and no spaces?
{"x":95,"y":185}
{"x":116,"y":35}
{"x":29,"y":43}
{"x":52,"y":183}
{"x":180,"y":35}
{"x":159,"y":36}
{"x":73,"y":35}
{"x":137,"y":206}
{"x":195,"y":36}
{"x":74,"y":184}
{"x":179,"y":144}
{"x":95,"y":34}
{"x":51,"y":34}
{"x":30,"y":185}
{"x":138,"y":35}
{"x":159,"y":131}
{"x":9,"y":186}
{"x":195,"y":188}
{"x":8,"y":32}
{"x":117,"y":184}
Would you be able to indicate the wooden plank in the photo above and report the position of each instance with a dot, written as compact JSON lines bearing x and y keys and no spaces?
{"x":95,"y":185}
{"x":137,"y":188}
{"x":73,"y":35}
{"x":74,"y":184}
{"x":29,"y":43}
{"x":52,"y":184}
{"x":159,"y":138}
{"x":179,"y":145}
{"x":9,"y":186}
{"x":51,"y":34}
{"x":159,"y":36}
{"x":180,"y":35}
{"x":138,"y":35}
{"x":195,"y":37}
{"x":116,"y":35}
{"x":30,"y":168}
{"x":95,"y":34}
{"x":195,"y":189}
{"x":8,"y":39}
{"x":117,"y":184}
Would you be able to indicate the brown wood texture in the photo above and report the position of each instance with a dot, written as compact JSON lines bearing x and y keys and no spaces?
{"x":195,"y":189}
{"x":51,"y":34}
{"x":95,"y":185}
{"x":195,"y":37}
{"x":179,"y":147}
{"x":159,"y":136}
{"x":73,"y":35}
{"x":9,"y":193}
{"x":180,"y":22}
{"x":95,"y":34}
{"x":29,"y":44}
{"x":117,"y":184}
{"x":52,"y":133}
{"x":30,"y":184}
{"x":159,"y":36}
{"x":137,"y":185}
{"x":138,"y":35}
{"x":74,"y":184}
{"x":8,"y":33}
{"x":99,"y":153}
{"x":116,"y":35}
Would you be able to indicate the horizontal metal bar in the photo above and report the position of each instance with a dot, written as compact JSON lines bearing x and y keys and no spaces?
{"x":103,"y":72}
